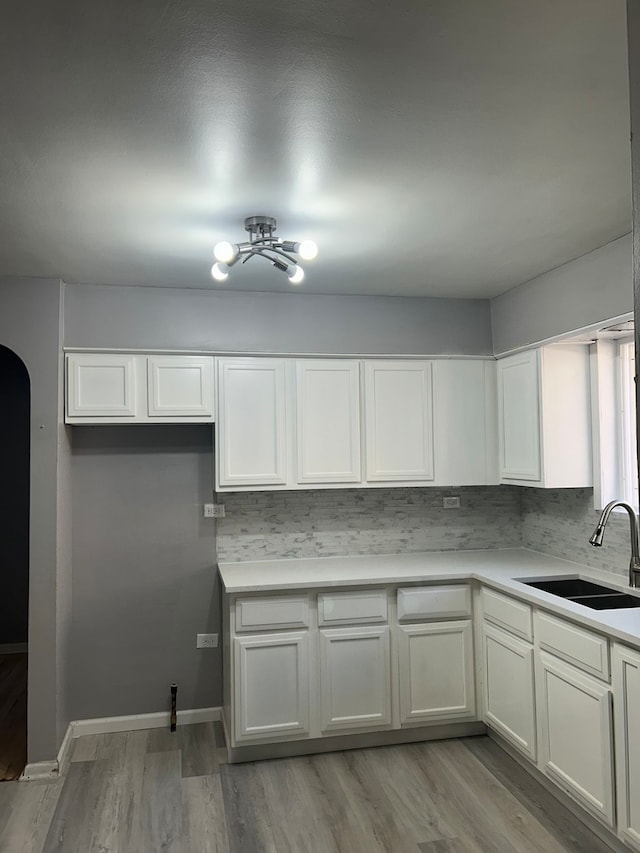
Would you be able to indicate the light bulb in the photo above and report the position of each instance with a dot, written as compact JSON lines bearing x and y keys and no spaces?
{"x":220,"y":272}
{"x":307,"y":249}
{"x":296,"y":274}
{"x":225,"y":251}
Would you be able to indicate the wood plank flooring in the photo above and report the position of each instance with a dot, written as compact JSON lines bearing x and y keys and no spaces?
{"x":153,"y":791}
{"x":13,"y":715}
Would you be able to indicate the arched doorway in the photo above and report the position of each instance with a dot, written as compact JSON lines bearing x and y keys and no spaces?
{"x":14,"y":561}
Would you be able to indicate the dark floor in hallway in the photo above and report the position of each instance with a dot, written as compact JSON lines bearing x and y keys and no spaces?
{"x":13,"y":715}
{"x":151,"y":791}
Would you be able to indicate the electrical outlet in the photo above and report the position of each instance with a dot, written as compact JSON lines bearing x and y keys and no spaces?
{"x":451,"y":503}
{"x":214,"y":511}
{"x":206,"y":641}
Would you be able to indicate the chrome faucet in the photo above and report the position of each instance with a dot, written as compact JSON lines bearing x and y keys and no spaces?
{"x":598,"y":535}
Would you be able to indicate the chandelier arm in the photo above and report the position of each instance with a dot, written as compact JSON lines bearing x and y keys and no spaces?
{"x":282,"y":254}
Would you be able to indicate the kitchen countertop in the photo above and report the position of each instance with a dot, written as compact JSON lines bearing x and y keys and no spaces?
{"x":501,"y":569}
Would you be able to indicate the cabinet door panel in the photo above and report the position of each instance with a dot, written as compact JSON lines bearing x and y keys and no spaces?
{"x":626,"y":693}
{"x":436,"y":672}
{"x":180,"y":386}
{"x":519,"y":417}
{"x":251,"y":428}
{"x":399,"y":421}
{"x":462,"y":423}
{"x":101,"y":385}
{"x":576,"y":734}
{"x":328,"y":421}
{"x":271,"y":686}
{"x":355,"y":678}
{"x":509,"y":704}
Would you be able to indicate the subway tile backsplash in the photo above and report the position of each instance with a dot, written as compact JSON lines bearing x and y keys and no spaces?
{"x":330,"y":522}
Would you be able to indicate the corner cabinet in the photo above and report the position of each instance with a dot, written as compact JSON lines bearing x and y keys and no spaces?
{"x":544,"y":417}
{"x":116,"y":388}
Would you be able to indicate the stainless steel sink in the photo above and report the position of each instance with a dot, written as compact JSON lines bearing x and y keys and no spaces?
{"x":587,"y":593}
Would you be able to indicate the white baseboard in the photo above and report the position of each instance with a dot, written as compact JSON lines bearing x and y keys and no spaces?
{"x":109,"y":725}
{"x":13,"y":648}
{"x":135,"y":722}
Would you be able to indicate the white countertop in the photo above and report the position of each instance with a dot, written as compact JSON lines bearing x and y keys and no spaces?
{"x":501,"y":569}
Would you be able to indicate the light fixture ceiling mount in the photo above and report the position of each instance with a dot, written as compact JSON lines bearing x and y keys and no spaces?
{"x":263,"y":241}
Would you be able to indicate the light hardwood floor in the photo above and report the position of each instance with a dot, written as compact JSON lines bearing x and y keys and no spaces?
{"x":153,"y":791}
{"x":13,"y":715}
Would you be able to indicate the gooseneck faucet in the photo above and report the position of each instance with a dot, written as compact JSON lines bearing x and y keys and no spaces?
{"x":598,"y":536}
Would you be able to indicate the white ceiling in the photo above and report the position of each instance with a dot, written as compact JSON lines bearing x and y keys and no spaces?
{"x":431,"y":147}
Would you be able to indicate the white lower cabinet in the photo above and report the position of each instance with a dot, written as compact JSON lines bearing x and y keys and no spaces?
{"x":436,"y":672}
{"x":576,"y":735}
{"x":271,"y":676}
{"x":355,"y":678}
{"x":508,"y":688}
{"x":626,"y":692}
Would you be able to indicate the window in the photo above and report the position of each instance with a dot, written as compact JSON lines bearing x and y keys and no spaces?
{"x":613,"y":401}
{"x":628,"y":460}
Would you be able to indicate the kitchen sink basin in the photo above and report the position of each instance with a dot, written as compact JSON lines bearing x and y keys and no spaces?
{"x":570,"y":587}
{"x":587,"y":593}
{"x":608,"y":602}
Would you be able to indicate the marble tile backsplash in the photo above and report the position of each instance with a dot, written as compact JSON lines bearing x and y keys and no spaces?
{"x":560,"y":522}
{"x":333,"y":522}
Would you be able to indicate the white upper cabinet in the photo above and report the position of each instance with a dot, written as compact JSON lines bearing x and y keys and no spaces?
{"x":180,"y":386}
{"x":101,"y":386}
{"x":544,"y":420}
{"x":519,"y":417}
{"x":465,"y":422}
{"x":252,"y":428}
{"x":328,"y":421}
{"x":133,"y":388}
{"x":399,"y":421}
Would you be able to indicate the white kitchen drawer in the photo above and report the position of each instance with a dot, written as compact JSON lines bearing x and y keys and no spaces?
{"x":578,"y":646}
{"x":418,"y":603}
{"x":342,"y":608}
{"x":508,"y":613}
{"x":260,"y":612}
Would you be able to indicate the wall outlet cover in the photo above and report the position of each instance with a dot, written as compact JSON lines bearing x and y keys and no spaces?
{"x":206,"y":641}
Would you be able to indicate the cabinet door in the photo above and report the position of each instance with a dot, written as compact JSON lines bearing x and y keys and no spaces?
{"x":101,"y":385}
{"x":626,"y":697}
{"x":575,"y":734}
{"x":271,"y":676}
{"x":399,"y":421}
{"x":328,"y":421}
{"x":436,"y":672}
{"x":180,"y":386}
{"x":519,"y":417}
{"x":355,"y":678}
{"x":508,"y":689}
{"x":251,"y":427}
{"x":464,"y":422}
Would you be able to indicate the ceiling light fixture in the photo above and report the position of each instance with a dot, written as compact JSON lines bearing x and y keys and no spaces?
{"x":262,"y":241}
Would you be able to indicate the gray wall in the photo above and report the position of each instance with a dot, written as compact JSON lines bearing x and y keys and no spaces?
{"x":324,"y":523}
{"x":14,"y":498}
{"x":144,"y":317}
{"x":560,"y":522}
{"x":30,"y":326}
{"x":584,"y":292}
{"x":144,"y":579}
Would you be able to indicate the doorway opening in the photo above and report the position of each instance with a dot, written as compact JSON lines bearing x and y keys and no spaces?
{"x":15,"y":388}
